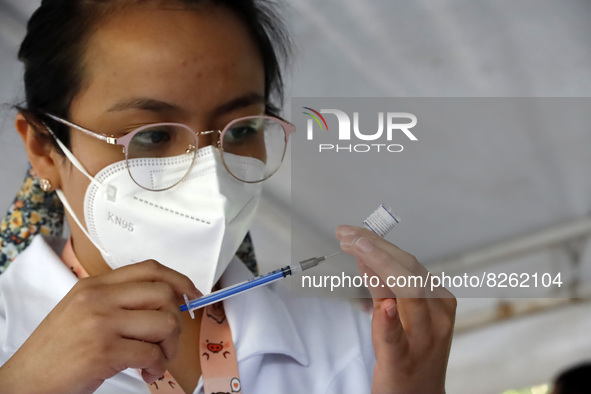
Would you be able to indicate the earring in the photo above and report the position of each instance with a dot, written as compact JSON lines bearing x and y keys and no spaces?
{"x":45,"y":185}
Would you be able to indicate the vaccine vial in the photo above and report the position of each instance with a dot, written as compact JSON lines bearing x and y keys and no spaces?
{"x":381,"y":221}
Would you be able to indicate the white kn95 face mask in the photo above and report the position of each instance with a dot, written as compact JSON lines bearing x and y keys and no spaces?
{"x":194,"y":228}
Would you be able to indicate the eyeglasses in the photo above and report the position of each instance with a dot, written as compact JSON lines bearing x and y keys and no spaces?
{"x":263,"y":138}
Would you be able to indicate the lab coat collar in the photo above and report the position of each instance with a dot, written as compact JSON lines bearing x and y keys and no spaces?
{"x":260,"y":320}
{"x":32,"y":286}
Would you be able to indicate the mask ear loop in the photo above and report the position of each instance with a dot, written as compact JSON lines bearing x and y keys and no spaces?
{"x":73,"y":159}
{"x":66,"y":204}
{"x":61,"y":195}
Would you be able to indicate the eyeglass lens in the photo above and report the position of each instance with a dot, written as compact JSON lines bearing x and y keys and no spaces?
{"x":256,"y":138}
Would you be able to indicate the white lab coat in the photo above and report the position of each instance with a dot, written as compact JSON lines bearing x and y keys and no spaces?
{"x":283,"y":344}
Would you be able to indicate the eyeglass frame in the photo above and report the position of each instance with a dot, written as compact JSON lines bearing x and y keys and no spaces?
{"x":124,"y":141}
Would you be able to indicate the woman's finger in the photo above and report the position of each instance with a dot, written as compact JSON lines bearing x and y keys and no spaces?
{"x":156,"y":327}
{"x":394,"y":358}
{"x":141,"y":295}
{"x":350,"y":235}
{"x":389,"y":337}
{"x":148,"y":357}
{"x":415,"y":316}
{"x":378,"y":289}
{"x":398,"y":278}
{"x":152,"y":271}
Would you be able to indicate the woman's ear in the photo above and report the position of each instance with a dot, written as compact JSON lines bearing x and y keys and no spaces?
{"x":40,"y":150}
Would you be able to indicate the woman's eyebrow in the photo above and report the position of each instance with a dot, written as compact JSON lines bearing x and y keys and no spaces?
{"x":145,"y":104}
{"x":148,"y":104}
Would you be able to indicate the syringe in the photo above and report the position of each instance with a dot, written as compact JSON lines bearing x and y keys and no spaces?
{"x":380,"y":222}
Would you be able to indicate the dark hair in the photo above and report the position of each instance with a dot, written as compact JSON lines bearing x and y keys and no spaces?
{"x":57,"y":33}
{"x":575,"y":380}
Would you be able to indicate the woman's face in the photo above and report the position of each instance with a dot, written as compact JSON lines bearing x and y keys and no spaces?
{"x":145,"y":64}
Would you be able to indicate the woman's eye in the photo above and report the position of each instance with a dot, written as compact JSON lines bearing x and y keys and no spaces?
{"x":151,"y":137}
{"x":240,"y":133}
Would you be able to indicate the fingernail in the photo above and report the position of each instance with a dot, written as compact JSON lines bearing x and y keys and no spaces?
{"x":343,"y":231}
{"x":348,"y":240}
{"x":391,"y":311}
{"x":364,"y":245}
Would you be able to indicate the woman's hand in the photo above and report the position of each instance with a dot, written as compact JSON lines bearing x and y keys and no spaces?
{"x":412,"y":326}
{"x":128,"y":318}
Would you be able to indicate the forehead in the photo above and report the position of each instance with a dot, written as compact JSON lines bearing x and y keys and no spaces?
{"x":198,"y":55}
